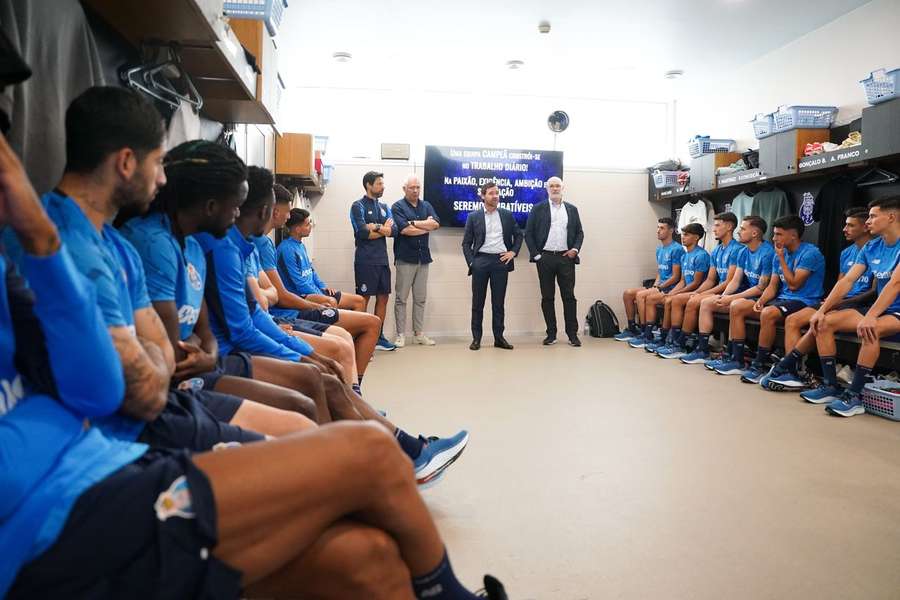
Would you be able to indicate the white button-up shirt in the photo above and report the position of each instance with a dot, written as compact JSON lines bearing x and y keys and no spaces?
{"x":493,"y":234}
{"x":559,"y":222}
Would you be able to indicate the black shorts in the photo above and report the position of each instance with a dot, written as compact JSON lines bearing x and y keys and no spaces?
{"x":129,"y":536}
{"x":864,"y":308}
{"x":236,"y":364}
{"x":336,"y":295}
{"x":312,"y":327}
{"x":187,"y":423}
{"x":328,"y":316}
{"x":789,"y":307}
{"x":372,"y":280}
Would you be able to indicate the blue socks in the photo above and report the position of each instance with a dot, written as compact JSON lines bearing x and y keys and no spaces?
{"x":441,"y":584}
{"x":762,"y":355}
{"x":703,"y":343}
{"x":737,"y":350}
{"x":412,"y":446}
{"x":790,"y":362}
{"x":829,"y":370}
{"x":859,"y":379}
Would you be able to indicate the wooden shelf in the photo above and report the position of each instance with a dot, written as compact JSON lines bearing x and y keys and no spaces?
{"x":162,"y":20}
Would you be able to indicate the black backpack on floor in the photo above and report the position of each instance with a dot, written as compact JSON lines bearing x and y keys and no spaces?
{"x":602,"y":321}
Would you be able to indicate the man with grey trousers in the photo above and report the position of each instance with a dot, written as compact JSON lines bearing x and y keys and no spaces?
{"x":415,"y":219}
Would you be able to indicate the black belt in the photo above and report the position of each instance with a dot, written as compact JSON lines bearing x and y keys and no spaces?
{"x":556,"y":252}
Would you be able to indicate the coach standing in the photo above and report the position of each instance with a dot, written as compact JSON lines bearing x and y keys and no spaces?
{"x":491,"y":241}
{"x":554,"y":236}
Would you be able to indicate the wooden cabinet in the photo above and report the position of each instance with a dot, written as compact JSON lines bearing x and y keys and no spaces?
{"x":255,"y":38}
{"x":779,"y":153}
{"x":295,"y":161}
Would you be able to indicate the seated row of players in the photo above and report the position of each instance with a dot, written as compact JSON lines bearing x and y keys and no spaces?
{"x":101,"y":445}
{"x":738,"y":279}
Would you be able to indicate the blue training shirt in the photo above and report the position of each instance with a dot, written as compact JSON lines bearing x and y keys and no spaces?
{"x":368,"y":210}
{"x":667,"y":257}
{"x":806,"y":257}
{"x":881,"y":259}
{"x":756,"y":264}
{"x":725,"y":256}
{"x":48,"y":458}
{"x":848,"y":258}
{"x":693,"y":263}
{"x":266,"y":248}
{"x":296,"y":270}
{"x":235,"y":317}
{"x":174,"y":273}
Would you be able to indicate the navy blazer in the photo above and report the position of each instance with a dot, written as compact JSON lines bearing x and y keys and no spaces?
{"x":537,"y":229}
{"x":473,"y":238}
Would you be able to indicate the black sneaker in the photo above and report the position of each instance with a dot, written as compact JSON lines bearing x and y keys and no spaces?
{"x":574,"y":341}
{"x":492,"y":590}
{"x":549,"y":340}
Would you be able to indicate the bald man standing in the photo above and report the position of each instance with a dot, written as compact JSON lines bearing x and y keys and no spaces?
{"x":554,"y":236}
{"x":415,"y":219}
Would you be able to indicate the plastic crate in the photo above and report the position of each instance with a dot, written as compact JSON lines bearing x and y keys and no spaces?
{"x":270,"y":11}
{"x":665,"y":179}
{"x":804,"y":117}
{"x":882,"y":85}
{"x":879,"y":401}
{"x":763,"y":125}
{"x":701,"y":145}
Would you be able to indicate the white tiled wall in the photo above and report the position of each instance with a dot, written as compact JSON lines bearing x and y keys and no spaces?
{"x":619,"y":224}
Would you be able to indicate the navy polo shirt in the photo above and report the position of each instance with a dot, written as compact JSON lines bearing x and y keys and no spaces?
{"x":412,"y":248}
{"x":363,"y":211}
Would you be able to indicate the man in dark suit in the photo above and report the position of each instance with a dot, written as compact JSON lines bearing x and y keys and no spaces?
{"x":554,"y":236}
{"x":491,"y":241}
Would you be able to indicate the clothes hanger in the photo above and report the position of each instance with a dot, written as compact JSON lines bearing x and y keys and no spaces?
{"x":155,"y":79}
{"x":883,"y":176}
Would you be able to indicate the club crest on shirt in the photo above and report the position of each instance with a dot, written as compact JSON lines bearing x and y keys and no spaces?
{"x":175,"y":501}
{"x":194,"y":277}
{"x":806,"y":208}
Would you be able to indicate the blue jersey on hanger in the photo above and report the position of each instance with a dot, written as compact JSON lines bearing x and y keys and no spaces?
{"x":667,"y":257}
{"x":725,"y":256}
{"x":694,"y":263}
{"x":48,"y":457}
{"x":881,"y":259}
{"x":175,"y":273}
{"x":296,"y":270}
{"x":848,"y":258}
{"x":808,"y":258}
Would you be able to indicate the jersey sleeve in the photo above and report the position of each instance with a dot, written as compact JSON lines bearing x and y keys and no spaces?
{"x":401,"y":219}
{"x":703,"y":262}
{"x":431,"y":212}
{"x":264,"y":322}
{"x":160,"y":262}
{"x":358,"y":221}
{"x":290,"y":268}
{"x":811,"y":261}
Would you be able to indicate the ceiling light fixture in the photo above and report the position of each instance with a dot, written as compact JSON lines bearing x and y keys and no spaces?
{"x":544,"y":27}
{"x":342,"y":57}
{"x":514,"y":64}
{"x":673,"y":74}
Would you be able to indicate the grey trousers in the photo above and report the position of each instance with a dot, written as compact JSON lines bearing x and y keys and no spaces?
{"x":410,"y":276}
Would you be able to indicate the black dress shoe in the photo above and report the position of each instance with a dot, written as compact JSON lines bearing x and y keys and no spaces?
{"x":549,"y":340}
{"x":502,"y":343}
{"x":574,"y":341}
{"x":475,"y":345}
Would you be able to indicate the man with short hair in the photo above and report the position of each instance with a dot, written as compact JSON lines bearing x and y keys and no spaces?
{"x":871,"y":323}
{"x":415,"y":219}
{"x":491,"y":242}
{"x":798,"y":271}
{"x":668,"y":273}
{"x":686,"y":308}
{"x":754,"y":267}
{"x":554,"y":236}
{"x":694,"y":267}
{"x":373,"y":223}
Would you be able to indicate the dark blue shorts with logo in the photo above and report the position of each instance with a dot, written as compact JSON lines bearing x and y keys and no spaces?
{"x":372,"y":280}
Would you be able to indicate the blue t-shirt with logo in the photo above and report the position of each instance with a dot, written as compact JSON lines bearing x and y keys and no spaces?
{"x":725,"y":256}
{"x":756,"y":264}
{"x":881,"y":260}
{"x":266,"y":248}
{"x":848,"y":259}
{"x":296,"y":269}
{"x":694,"y":263}
{"x":808,"y":258}
{"x":666,"y":258}
{"x":175,"y":273}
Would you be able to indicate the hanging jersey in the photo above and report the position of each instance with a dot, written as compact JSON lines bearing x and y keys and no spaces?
{"x":808,"y":258}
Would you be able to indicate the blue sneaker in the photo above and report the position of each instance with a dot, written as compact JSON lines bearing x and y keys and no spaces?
{"x":824,"y":394}
{"x":695,"y":358}
{"x":731,"y":367}
{"x":848,"y":405}
{"x":714,"y":363}
{"x":654,"y":346}
{"x":675,"y":351}
{"x":639,"y":342}
{"x":625,"y":336}
{"x":753,"y":374}
{"x":438,"y":454}
{"x":384,"y":344}
{"x":783,"y":381}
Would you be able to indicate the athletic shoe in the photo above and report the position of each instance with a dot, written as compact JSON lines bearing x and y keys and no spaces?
{"x":784,"y":381}
{"x":384,"y":344}
{"x":438,"y":454}
{"x":731,"y":367}
{"x":423,"y":340}
{"x":638,"y":342}
{"x":753,"y":374}
{"x":625,"y":336}
{"x":695,"y":358}
{"x":400,"y":341}
{"x":824,"y":394}
{"x":492,"y":590}
{"x":848,"y":405}
{"x":714,"y":363}
{"x":671,"y":352}
{"x":653,"y":347}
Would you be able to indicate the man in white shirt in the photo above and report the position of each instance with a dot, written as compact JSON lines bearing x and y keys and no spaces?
{"x":554,"y":236}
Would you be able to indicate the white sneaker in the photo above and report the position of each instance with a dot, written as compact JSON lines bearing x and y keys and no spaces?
{"x":400,"y":341}
{"x":423,"y":340}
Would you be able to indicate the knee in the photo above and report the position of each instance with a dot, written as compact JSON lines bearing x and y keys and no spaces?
{"x":304,"y":405}
{"x":377,"y":570}
{"x":770,"y":315}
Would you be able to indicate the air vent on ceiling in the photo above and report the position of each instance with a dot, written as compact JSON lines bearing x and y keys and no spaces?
{"x":395,"y":151}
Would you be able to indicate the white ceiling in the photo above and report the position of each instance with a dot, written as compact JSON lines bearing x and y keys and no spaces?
{"x":604,"y":48}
